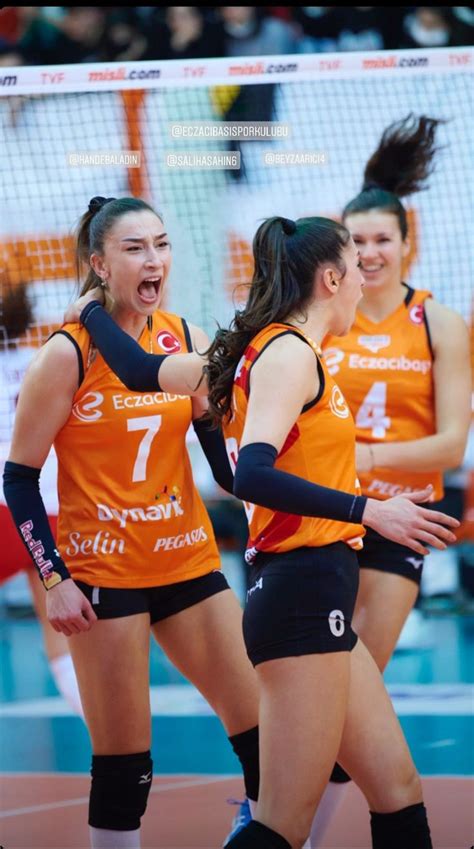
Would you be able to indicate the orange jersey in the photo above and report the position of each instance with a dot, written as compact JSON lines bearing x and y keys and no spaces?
{"x":385,"y":370}
{"x":320,"y":447}
{"x":130,"y":515}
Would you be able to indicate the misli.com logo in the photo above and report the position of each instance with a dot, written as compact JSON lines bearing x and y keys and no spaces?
{"x":251,"y":69}
{"x":8,"y":79}
{"x":395,"y":61}
{"x":117,"y":74}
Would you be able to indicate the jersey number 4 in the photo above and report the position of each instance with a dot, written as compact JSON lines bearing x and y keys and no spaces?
{"x":371,"y":413}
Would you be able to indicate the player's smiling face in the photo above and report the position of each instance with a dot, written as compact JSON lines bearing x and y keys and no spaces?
{"x":137,"y":260}
{"x":378,"y":237}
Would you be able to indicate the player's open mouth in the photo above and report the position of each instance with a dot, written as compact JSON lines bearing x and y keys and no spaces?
{"x":148,"y":289}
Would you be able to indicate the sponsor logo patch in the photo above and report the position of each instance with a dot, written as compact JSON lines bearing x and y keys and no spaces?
{"x":374,"y":343}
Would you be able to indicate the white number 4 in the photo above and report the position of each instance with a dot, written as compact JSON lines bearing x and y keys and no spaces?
{"x":152,"y":425}
{"x":371,"y":413}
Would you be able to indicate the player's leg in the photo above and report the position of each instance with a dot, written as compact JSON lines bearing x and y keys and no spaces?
{"x":374,"y":752}
{"x":112,"y":666}
{"x":303,"y":702}
{"x":298,"y":633}
{"x":388,"y":588}
{"x":199,"y":626}
{"x":383,"y":603}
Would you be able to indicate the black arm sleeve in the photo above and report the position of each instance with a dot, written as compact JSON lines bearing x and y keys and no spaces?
{"x":135,"y":368}
{"x":22,"y":494}
{"x":213,"y":444}
{"x":257,"y":481}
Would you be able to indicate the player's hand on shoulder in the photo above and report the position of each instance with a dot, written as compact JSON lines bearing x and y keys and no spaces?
{"x":73,"y":311}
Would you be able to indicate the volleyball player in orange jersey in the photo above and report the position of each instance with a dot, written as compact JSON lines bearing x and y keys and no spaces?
{"x":292,"y":439}
{"x":404,"y":370}
{"x":135,"y":545}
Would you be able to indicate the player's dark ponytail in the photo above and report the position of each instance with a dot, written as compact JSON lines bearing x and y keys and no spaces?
{"x":400,"y":166}
{"x":286,"y":256}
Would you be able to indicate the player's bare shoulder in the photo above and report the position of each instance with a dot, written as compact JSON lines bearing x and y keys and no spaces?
{"x":199,"y":337}
{"x":286,"y":350}
{"x":287,"y":361}
{"x":445,"y":325}
{"x":55,"y":366}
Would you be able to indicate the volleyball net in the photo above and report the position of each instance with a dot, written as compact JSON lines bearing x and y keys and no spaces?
{"x":72,"y":132}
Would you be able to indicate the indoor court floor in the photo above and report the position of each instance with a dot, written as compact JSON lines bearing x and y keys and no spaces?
{"x":45,"y":751}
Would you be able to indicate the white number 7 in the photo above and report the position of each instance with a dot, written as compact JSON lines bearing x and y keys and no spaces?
{"x":152,"y":425}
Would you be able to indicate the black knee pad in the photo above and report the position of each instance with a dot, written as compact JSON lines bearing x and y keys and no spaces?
{"x":338,"y":776}
{"x":245,"y":746}
{"x":257,"y":836}
{"x":119,"y":790}
{"x":407,"y":828}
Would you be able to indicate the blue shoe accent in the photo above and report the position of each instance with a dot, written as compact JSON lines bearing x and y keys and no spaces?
{"x":241,"y":819}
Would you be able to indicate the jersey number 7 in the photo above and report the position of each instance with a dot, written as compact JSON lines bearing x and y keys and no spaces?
{"x":150,"y":424}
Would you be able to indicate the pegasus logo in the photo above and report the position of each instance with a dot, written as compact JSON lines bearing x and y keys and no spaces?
{"x":145,"y":779}
{"x":414,"y":562}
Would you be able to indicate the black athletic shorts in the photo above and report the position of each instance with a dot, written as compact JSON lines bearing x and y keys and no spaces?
{"x":387,"y":556}
{"x":301,"y":602}
{"x":159,"y":602}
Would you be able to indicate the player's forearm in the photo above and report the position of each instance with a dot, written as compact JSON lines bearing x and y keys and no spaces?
{"x":182,"y":374}
{"x":139,"y":371}
{"x":438,"y":452}
{"x":259,"y":482}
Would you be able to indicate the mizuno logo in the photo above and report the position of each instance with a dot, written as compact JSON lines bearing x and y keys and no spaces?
{"x":414,"y":562}
{"x":257,"y":586}
{"x":145,"y":779}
